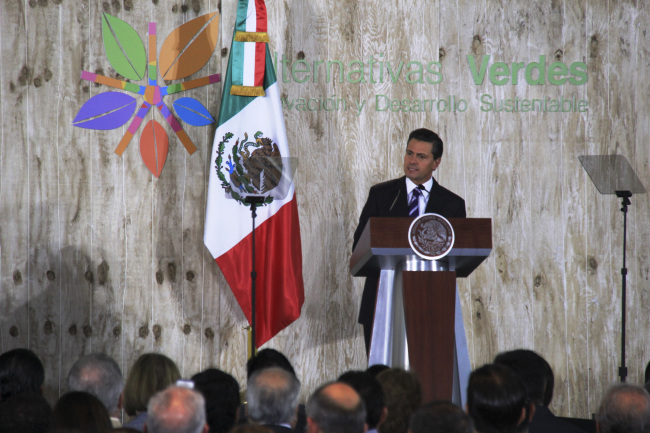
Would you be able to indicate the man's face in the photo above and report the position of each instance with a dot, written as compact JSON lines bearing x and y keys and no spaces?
{"x":418,"y":161}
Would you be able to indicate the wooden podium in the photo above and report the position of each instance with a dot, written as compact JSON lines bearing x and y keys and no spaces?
{"x":413,"y":326}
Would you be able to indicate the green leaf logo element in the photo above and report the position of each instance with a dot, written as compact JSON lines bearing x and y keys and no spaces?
{"x":124,"y":48}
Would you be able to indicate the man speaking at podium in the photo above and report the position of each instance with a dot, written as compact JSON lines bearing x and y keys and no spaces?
{"x":413,"y":194}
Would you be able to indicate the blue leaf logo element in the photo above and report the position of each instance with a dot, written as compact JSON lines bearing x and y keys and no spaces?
{"x":193,"y":112}
{"x":108,"y":110}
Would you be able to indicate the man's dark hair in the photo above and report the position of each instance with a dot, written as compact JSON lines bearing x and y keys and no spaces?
{"x":331,"y":417}
{"x":625,"y":409}
{"x":535,"y":372}
{"x":98,"y":374}
{"x":272,"y":395}
{"x":402,"y":397}
{"x":370,"y":391}
{"x":375,"y":369}
{"x":496,"y":396}
{"x":20,"y":371}
{"x":221,"y":393}
{"x":81,"y":411}
{"x":268,"y":358}
{"x":428,"y":136}
{"x":440,"y":417}
{"x":27,"y":412}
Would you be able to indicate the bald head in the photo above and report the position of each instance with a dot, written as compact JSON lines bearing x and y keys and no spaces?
{"x":336,"y":408}
{"x":343,"y":394}
{"x":272,"y":396}
{"x":625,"y":407}
{"x":178,"y":410}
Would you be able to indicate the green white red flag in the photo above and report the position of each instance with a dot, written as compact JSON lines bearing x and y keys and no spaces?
{"x":249,"y":126}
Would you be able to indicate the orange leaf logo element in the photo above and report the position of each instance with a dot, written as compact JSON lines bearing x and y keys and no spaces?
{"x":189,"y":47}
{"x":154,"y":145}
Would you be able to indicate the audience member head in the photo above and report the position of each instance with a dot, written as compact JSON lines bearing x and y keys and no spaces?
{"x":272,"y":396}
{"x":647,"y":373}
{"x":78,"y":410}
{"x":497,"y":401}
{"x":125,"y":430}
{"x":98,"y":374}
{"x":151,"y":373}
{"x":266,"y":358}
{"x":221,"y":393}
{"x":533,"y":370}
{"x":20,"y":371}
{"x":371,"y":393}
{"x":402,"y":397}
{"x":624,"y":409}
{"x":375,"y":369}
{"x":26,"y":412}
{"x":440,"y":417}
{"x":335,"y":408}
{"x":177,"y":409}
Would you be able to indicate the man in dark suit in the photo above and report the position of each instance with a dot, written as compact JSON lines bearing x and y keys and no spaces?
{"x":416,"y":193}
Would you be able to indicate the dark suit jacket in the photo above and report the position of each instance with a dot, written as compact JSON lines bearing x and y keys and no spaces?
{"x":278,"y":428}
{"x":544,"y":421}
{"x":390,"y":199}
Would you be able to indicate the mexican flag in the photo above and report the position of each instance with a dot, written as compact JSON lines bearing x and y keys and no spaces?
{"x":250,"y":126}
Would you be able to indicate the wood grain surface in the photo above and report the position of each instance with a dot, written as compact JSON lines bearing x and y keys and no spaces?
{"x":96,"y":254}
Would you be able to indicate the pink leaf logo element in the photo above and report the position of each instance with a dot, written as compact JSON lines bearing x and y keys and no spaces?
{"x":189,"y":47}
{"x":154,"y":145}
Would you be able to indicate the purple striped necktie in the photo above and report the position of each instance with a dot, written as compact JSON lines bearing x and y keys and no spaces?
{"x":414,"y":203}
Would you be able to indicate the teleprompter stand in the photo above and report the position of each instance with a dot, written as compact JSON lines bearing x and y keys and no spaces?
{"x":612,"y":174}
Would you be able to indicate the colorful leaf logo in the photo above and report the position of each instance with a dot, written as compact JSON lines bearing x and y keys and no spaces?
{"x":154,"y":144}
{"x":189,"y":47}
{"x":185,"y":51}
{"x":124,"y":48}
{"x":108,"y":110}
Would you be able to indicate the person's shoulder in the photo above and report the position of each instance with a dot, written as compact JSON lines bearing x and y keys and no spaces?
{"x":441,"y":191}
{"x":388,"y":185}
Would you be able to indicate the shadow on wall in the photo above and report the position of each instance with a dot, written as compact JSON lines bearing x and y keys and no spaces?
{"x":60,"y":305}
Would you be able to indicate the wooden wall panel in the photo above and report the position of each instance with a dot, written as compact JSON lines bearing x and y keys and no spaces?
{"x":570,"y":365}
{"x":128,"y":272}
{"x":602,"y":293}
{"x":44,"y":240}
{"x":15,"y":192}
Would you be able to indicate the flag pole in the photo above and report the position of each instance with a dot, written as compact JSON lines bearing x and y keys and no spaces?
{"x":253,"y":201}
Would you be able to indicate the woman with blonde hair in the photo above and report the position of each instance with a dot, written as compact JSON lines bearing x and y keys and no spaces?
{"x":151,"y":373}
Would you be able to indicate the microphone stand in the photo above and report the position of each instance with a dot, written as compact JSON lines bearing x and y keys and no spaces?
{"x":625,"y":197}
{"x":254,"y":201}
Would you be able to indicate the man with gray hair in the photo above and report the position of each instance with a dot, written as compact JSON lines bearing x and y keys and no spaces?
{"x":272,"y":395}
{"x":98,"y":374}
{"x":625,"y":408}
{"x":177,"y":409}
{"x":336,"y":408}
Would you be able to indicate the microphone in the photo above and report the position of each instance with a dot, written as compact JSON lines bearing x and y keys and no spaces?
{"x":395,"y":201}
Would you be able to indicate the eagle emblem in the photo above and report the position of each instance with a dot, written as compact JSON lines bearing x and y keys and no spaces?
{"x":252,"y":167}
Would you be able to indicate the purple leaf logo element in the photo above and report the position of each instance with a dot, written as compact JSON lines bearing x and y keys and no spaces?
{"x":108,"y":110}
